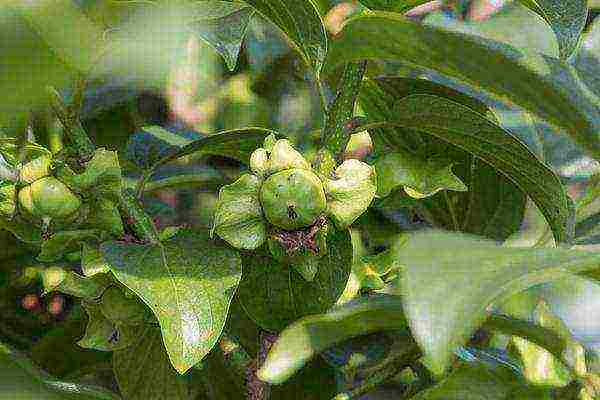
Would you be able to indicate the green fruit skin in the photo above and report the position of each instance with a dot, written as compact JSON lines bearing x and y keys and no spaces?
{"x":118,"y":308}
{"x":49,"y":198}
{"x":36,"y":169}
{"x":292,"y":199}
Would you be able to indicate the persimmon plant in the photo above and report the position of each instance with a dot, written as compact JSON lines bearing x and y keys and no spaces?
{"x":402,"y":240}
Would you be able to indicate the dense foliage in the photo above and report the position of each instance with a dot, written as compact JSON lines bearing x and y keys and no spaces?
{"x":303,"y":199}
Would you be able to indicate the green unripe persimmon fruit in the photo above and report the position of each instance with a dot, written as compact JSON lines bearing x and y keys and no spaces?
{"x":293,"y":199}
{"x":49,"y":198}
{"x":36,"y":169}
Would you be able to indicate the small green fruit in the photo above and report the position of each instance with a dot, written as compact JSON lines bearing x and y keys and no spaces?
{"x":52,"y":277}
{"x":259,"y":162}
{"x":284,"y":156}
{"x":292,"y":199}
{"x":118,"y":308}
{"x":36,"y":169}
{"x":49,"y":198}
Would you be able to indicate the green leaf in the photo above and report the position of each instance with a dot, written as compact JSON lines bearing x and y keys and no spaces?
{"x":301,"y":22}
{"x":441,"y":316}
{"x":567,"y":19}
{"x":472,"y":132}
{"x":101,"y":177}
{"x":54,"y":248}
{"x":474,"y":381}
{"x":492,"y":207}
{"x":143,"y":370}
{"x":20,"y":379}
{"x":104,"y":216}
{"x":223,"y":26}
{"x":274,"y":294}
{"x":239,"y":218}
{"x":351,"y":192}
{"x":187,"y":281}
{"x":237,"y":144}
{"x":424,"y":176}
{"x":399,"y":6}
{"x":68,"y":282}
{"x":92,"y":262}
{"x":306,"y":338}
{"x":104,"y":335}
{"x":515,"y":76}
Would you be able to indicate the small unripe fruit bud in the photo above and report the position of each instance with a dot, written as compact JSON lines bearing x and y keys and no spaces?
{"x":293,"y":198}
{"x":49,"y":198}
{"x":259,"y":162}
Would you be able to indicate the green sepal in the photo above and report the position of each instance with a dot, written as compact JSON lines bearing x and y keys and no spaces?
{"x":284,"y":156}
{"x":104,"y":216}
{"x":420,"y":177}
{"x":351,"y":193}
{"x":239,"y":218}
{"x":54,"y":248}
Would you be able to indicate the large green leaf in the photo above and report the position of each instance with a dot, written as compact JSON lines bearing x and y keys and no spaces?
{"x":475,"y":381}
{"x":143,"y":370}
{"x":20,"y":379}
{"x":306,"y":338}
{"x":274,"y":295}
{"x":392,"y":5}
{"x":448,"y":290}
{"x":301,"y":22}
{"x":462,"y":127}
{"x":188,"y":281}
{"x":222,"y":25}
{"x":567,"y":19}
{"x":104,"y":335}
{"x":517,"y":76}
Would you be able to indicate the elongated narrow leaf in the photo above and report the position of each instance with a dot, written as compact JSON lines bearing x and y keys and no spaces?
{"x":309,"y":336}
{"x":188,"y":281}
{"x":448,"y":290}
{"x":567,"y":19}
{"x":535,"y":82}
{"x":300,"y":21}
{"x":143,"y":370}
{"x":222,"y":25}
{"x":470,"y":131}
{"x":392,"y":5}
{"x":237,"y":144}
{"x":20,"y":379}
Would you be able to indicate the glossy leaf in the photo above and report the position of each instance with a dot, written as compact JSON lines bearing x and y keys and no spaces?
{"x":493,"y":206}
{"x":475,"y":381}
{"x":237,"y":144}
{"x":424,"y":176}
{"x":187,"y":281}
{"x":566,"y":17}
{"x":392,"y":5}
{"x":151,"y":143}
{"x":20,"y":379}
{"x":515,"y":76}
{"x":54,"y":248}
{"x":223,"y":26}
{"x":143,"y":370}
{"x":442,"y":318}
{"x":101,"y":177}
{"x":306,"y":338}
{"x":103,"y":335}
{"x":274,"y":294}
{"x":239,"y":218}
{"x":56,"y":279}
{"x":92,"y":262}
{"x":466,"y":129}
{"x":301,"y":22}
